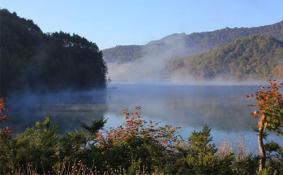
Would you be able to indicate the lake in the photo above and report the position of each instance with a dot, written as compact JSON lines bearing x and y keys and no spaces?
{"x":224,"y":108}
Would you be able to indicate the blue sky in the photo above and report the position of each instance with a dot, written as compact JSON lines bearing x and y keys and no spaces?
{"x":122,"y":22}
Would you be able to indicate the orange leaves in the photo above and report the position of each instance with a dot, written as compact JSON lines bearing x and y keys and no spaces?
{"x":2,"y":109}
{"x":3,"y":117}
{"x":5,"y":131}
{"x":268,"y":103}
{"x":2,"y":104}
{"x":135,"y":127}
{"x":270,"y":97}
{"x":132,"y":126}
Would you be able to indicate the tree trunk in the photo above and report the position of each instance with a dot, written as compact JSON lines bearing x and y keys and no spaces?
{"x":262,"y":154}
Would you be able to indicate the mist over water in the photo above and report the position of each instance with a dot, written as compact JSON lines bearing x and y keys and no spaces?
{"x":224,"y":108}
{"x":68,"y":109}
{"x":219,"y":106}
{"x":152,"y":65}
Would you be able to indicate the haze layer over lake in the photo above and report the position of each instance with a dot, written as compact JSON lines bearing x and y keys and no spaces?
{"x":224,"y":108}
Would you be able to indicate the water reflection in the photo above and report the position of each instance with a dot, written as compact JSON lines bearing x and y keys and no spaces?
{"x":67,"y":109}
{"x":224,"y":108}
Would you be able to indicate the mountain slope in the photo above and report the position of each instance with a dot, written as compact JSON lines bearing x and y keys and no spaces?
{"x":121,"y":54}
{"x":186,"y":45}
{"x":253,"y":57}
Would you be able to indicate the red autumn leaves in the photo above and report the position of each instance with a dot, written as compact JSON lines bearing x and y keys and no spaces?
{"x":3,"y":117}
{"x":268,"y":100}
{"x":134,"y":127}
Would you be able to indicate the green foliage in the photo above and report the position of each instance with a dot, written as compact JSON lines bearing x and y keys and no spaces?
{"x":95,"y":126}
{"x":41,"y":149}
{"x":245,"y":166}
{"x":71,"y":145}
{"x":33,"y":60}
{"x":38,"y":146}
{"x":253,"y":57}
{"x":7,"y":152}
{"x":275,"y":156}
{"x":201,"y":157}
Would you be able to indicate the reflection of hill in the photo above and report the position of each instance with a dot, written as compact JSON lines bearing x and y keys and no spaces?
{"x":67,"y":109}
{"x":222,"y":107}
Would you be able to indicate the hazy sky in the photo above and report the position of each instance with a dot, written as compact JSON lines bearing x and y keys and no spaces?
{"x":120,"y":22}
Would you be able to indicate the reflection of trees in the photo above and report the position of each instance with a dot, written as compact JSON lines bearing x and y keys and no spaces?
{"x":67,"y":109}
{"x":223,"y":108}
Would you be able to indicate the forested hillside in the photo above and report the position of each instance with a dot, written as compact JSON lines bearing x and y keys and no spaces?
{"x":189,"y":44}
{"x":121,"y":54}
{"x":33,"y":60}
{"x":253,"y":57}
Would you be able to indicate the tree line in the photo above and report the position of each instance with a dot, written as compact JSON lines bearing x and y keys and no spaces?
{"x":37,"y":61}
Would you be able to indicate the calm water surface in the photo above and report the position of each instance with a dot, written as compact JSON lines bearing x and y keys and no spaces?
{"x":224,"y":108}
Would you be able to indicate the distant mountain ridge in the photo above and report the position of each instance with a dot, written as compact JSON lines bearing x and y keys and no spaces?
{"x":161,"y":59}
{"x":194,"y":43}
{"x":247,"y":58}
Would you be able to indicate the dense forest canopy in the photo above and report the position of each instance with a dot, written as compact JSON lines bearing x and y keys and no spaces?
{"x":33,"y":60}
{"x":252,"y":57}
